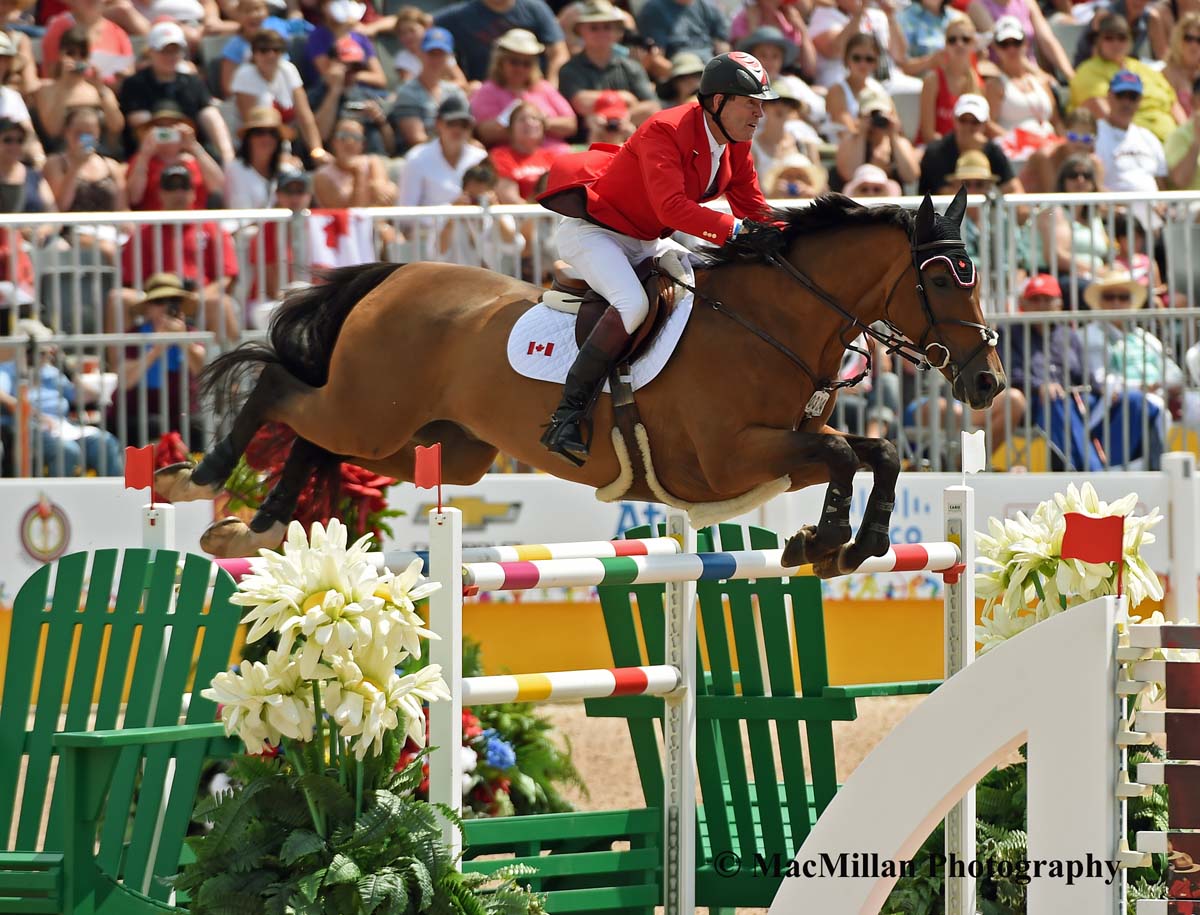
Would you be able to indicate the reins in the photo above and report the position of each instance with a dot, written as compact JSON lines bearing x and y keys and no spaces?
{"x":893,"y":340}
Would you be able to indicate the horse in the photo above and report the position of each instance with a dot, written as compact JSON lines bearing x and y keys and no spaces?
{"x":382,"y":358}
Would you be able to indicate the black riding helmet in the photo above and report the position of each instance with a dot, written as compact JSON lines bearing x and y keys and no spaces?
{"x":734,"y":73}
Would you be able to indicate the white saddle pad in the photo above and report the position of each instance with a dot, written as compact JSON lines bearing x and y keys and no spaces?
{"x":542,"y":345}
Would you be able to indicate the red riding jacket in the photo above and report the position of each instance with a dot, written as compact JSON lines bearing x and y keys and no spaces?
{"x":654,"y":184}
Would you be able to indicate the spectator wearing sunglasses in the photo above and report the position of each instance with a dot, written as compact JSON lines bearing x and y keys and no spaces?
{"x":1020,"y":97}
{"x":515,"y":76}
{"x":271,"y":81}
{"x":77,"y":84}
{"x":986,"y":13}
{"x":833,"y":26}
{"x":954,"y":76}
{"x":1183,"y":149}
{"x":1077,"y":138}
{"x":415,"y":110}
{"x":1183,"y":59}
{"x":1137,"y":15}
{"x":862,"y":55}
{"x":1075,"y":245}
{"x":1158,"y":111}
{"x":971,"y":116}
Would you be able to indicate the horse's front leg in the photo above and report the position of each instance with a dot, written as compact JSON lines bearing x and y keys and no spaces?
{"x":873,"y":537}
{"x":806,"y":458}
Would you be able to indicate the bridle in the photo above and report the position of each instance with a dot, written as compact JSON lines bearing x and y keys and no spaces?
{"x":892,"y":339}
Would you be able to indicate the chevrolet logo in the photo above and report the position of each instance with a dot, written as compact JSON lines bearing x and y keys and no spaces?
{"x":477,"y":512}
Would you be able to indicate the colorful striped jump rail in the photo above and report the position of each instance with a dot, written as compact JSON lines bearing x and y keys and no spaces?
{"x":638,"y":570}
{"x":655,"y":680}
{"x":399,"y":560}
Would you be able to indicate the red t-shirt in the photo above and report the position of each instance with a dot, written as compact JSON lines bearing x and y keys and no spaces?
{"x":151,"y":200}
{"x":199,"y":244}
{"x":523,"y":169}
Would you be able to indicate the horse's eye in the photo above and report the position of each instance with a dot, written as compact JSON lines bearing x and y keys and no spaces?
{"x":941,"y":281}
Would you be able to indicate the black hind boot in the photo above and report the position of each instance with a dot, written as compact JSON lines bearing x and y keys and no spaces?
{"x":603,"y":347}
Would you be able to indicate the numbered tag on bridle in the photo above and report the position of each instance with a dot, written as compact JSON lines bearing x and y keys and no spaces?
{"x":816,"y":404}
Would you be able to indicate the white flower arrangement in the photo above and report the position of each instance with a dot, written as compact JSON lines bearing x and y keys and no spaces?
{"x":1022,"y":560}
{"x":344,"y":628}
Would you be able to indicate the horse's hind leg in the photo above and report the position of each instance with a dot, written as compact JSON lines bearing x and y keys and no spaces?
{"x":231,"y":537}
{"x":873,"y":538}
{"x":185,"y":482}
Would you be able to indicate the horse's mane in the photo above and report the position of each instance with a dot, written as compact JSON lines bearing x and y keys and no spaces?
{"x":828,"y":212}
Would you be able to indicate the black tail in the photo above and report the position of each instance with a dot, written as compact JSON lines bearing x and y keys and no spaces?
{"x":302,"y":333}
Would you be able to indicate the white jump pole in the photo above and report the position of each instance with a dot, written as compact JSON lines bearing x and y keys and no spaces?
{"x":958,"y":511}
{"x":679,"y":735}
{"x":445,"y":618}
{"x":1183,"y":540}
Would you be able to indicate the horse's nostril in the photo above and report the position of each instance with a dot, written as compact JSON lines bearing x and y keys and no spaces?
{"x":986,"y":383}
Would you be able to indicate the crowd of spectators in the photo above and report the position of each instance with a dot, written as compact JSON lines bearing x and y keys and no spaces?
{"x":115,"y":105}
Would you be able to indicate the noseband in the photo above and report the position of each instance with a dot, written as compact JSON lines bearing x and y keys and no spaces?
{"x":920,"y":354}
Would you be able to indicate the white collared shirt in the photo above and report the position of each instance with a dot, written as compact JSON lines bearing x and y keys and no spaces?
{"x":715,"y":150}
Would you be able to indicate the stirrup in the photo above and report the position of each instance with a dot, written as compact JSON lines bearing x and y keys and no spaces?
{"x":552,"y":427}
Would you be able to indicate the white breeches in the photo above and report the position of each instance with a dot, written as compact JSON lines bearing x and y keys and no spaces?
{"x":605,"y":260}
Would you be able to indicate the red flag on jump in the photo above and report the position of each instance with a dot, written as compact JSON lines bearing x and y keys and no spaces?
{"x":1091,"y":539}
{"x":427,"y":472}
{"x":139,"y":468}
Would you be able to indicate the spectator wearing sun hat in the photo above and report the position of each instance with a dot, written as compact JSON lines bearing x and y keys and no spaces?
{"x":515,"y":76}
{"x":598,"y":69}
{"x":871,"y":181}
{"x":415,"y":110}
{"x":169,"y":138}
{"x":160,"y":82}
{"x":478,"y":24}
{"x":684,"y":81}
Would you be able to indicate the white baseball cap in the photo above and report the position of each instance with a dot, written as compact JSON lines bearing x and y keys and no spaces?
{"x":1008,"y":28}
{"x":164,"y":34}
{"x":974,"y":105}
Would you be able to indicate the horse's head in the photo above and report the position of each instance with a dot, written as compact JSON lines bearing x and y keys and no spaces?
{"x":942,"y":312}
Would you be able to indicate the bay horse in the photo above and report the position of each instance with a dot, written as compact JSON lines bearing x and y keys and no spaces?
{"x":382,"y":358}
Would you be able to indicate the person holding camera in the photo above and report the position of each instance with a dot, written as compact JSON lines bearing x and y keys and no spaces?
{"x":201,"y":253}
{"x":162,"y":81}
{"x":164,"y":374}
{"x":167,"y":139}
{"x":344,"y":95}
{"x":484,"y":241}
{"x":877,"y":140}
{"x":83,"y":180}
{"x":77,"y":84}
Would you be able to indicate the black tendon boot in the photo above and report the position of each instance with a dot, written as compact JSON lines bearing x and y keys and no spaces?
{"x":603,"y":347}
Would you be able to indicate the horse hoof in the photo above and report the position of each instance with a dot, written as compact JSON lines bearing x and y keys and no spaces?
{"x":232,"y":538}
{"x":174,"y":483}
{"x":796,"y":548}
{"x":842,"y":561}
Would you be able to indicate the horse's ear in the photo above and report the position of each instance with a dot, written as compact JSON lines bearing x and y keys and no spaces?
{"x":957,"y":208}
{"x":925,"y":219}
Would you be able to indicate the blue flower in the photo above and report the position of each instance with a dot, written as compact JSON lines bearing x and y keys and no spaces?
{"x":500,"y":754}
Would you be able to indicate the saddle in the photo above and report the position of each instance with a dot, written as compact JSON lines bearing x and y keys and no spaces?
{"x":571,"y":294}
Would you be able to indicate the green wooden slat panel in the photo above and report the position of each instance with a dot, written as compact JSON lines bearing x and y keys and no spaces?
{"x":122,"y":621}
{"x":581,"y":864}
{"x":25,"y":882}
{"x":29,"y":609}
{"x":620,"y":898}
{"x":63,"y":615}
{"x":871,"y":690}
{"x":547,"y":827}
{"x":30,"y":860}
{"x":152,"y":622}
{"x":32,"y":905}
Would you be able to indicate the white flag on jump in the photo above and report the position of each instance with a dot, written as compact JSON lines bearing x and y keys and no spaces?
{"x":974,"y":457}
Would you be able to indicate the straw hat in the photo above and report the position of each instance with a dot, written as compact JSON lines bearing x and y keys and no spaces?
{"x":265,"y":117}
{"x":972,"y":166}
{"x":1115,"y":279}
{"x":598,"y":11}
{"x":163,"y":286}
{"x":520,"y":41}
{"x":686,"y":63}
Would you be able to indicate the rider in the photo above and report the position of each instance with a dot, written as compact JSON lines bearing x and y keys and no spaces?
{"x":621,"y":204}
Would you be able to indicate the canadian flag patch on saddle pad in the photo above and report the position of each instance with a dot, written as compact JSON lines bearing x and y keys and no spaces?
{"x":542,"y":344}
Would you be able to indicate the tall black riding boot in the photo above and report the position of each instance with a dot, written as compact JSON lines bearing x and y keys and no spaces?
{"x":603,"y":347}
